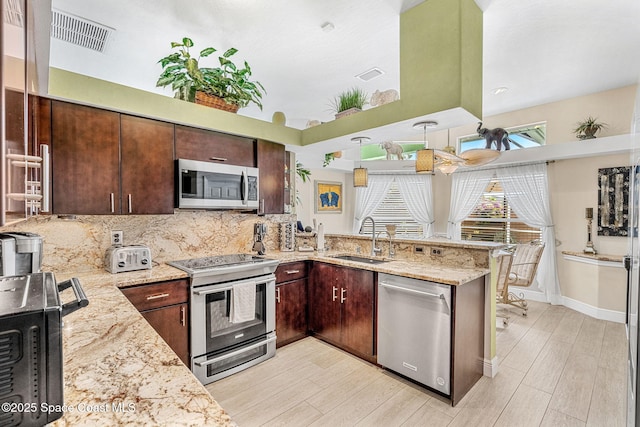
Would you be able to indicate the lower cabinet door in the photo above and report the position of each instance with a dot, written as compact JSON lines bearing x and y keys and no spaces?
{"x":358,"y":312}
{"x":324,"y":302}
{"x":172,"y":324}
{"x":291,"y":311}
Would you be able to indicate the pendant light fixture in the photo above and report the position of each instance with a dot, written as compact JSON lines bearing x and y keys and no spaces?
{"x":425,"y":158}
{"x":360,"y":174}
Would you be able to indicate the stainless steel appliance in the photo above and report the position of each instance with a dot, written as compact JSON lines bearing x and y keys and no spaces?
{"x":632,"y":264}
{"x":119,"y":259}
{"x":206,"y":185}
{"x":221,"y":346}
{"x":20,"y":253}
{"x":31,"y":347}
{"x":414,"y":330}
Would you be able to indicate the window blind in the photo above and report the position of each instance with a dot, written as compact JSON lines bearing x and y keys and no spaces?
{"x":393,"y":210}
{"x":493,"y":220}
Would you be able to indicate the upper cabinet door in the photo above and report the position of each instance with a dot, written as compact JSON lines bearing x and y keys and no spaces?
{"x":210,"y":146}
{"x":147,"y":166}
{"x":271,"y":164}
{"x":85,"y":160}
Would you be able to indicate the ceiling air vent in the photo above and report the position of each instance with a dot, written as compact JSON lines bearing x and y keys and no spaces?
{"x":370,"y":74}
{"x":79,"y":31}
{"x":13,"y":13}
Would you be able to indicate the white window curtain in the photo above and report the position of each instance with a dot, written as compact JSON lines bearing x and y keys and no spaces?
{"x":466,"y":189}
{"x":527,"y":190}
{"x":418,"y":196}
{"x":368,"y":198}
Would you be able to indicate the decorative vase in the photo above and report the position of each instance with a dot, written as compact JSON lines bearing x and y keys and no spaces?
{"x":279,"y":118}
{"x":213,"y":101}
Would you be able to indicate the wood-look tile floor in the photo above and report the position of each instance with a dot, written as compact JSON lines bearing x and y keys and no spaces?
{"x":557,"y":368}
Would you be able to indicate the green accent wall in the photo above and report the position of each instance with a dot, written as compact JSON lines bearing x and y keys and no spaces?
{"x":440,"y":69}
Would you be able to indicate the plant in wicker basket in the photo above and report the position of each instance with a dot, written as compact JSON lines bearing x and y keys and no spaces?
{"x":205,"y":85}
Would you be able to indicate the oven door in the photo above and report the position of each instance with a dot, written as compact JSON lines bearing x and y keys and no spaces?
{"x":211,"y":327}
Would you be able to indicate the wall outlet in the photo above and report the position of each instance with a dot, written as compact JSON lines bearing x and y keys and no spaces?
{"x":117,"y":237}
{"x":418,"y":249}
{"x":436,"y":251}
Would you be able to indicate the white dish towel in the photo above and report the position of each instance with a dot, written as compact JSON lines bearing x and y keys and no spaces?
{"x":243,"y":302}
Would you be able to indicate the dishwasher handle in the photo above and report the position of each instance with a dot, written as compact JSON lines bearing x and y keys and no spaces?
{"x":411,"y":291}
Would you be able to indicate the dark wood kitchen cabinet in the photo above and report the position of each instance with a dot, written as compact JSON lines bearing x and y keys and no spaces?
{"x":291,"y":302}
{"x":85,"y":145}
{"x":342,"y":308}
{"x":147,"y":166}
{"x":165,"y":305}
{"x":105,"y":162}
{"x":271,"y":158}
{"x":210,"y":146}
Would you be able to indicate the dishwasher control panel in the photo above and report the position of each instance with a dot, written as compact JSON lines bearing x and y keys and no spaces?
{"x":119,"y":259}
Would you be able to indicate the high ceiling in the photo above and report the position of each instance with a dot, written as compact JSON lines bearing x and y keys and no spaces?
{"x":541,"y":50}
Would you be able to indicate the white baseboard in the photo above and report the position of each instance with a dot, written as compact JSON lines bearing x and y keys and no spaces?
{"x":490,"y":367}
{"x":579,"y":306}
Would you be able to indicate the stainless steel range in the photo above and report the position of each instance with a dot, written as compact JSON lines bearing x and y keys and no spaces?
{"x":232,"y":313}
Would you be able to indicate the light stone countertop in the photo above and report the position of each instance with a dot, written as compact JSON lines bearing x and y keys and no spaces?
{"x":113,"y":356}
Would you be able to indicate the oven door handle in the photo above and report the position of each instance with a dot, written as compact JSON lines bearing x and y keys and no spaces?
{"x":235,"y":353}
{"x":210,"y":290}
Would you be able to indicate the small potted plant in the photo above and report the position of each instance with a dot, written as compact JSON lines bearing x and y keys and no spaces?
{"x":349,"y":102}
{"x":588,"y":128}
{"x":227,"y":87}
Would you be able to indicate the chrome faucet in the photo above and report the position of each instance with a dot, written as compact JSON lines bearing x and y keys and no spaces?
{"x":374,"y":250}
{"x":392,"y":252}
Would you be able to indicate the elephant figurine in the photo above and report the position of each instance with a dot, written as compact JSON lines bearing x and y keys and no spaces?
{"x":393,"y":149}
{"x":497,"y":135}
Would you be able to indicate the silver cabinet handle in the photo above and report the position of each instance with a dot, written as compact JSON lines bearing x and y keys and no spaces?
{"x":113,"y":204}
{"x":218,"y":159}
{"x":292,"y":271}
{"x":278,"y":295}
{"x":343,"y":298}
{"x":334,"y":293}
{"x":129,"y":203}
{"x":411,"y":291}
{"x":157,"y":296}
{"x":183,"y":316}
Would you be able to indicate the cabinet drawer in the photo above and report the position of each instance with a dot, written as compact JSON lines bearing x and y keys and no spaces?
{"x":146,"y":297}
{"x":291,"y":271}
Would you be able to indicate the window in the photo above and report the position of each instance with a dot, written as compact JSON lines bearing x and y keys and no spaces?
{"x":493,"y":220}
{"x":393,"y":210}
{"x":521,"y":137}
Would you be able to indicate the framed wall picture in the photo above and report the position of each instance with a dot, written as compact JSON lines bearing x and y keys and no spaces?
{"x":328,"y":197}
{"x":613,"y":201}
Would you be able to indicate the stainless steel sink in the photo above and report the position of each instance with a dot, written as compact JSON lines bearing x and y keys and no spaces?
{"x":359,"y":259}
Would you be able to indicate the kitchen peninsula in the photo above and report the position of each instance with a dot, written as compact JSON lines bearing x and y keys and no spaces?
{"x":113,"y":359}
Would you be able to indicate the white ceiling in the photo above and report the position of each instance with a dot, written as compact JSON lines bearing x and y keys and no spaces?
{"x":542,"y":50}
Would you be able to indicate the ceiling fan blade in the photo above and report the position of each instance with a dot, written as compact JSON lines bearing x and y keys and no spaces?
{"x":444,"y":157}
{"x":479,"y":156}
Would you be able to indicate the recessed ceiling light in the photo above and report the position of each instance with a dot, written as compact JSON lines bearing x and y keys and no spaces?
{"x":370,"y":74}
{"x":499,"y":90}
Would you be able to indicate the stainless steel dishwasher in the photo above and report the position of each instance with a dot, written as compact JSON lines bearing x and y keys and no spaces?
{"x":414,"y":330}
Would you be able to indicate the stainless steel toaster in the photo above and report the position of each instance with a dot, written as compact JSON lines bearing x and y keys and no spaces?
{"x":119,"y":259}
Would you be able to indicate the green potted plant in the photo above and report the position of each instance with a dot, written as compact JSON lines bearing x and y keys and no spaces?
{"x":588,"y":128}
{"x":227,"y":87}
{"x":349,"y":102}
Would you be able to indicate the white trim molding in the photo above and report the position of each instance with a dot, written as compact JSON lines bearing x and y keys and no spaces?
{"x":581,"y":307}
{"x":490,"y":367}
{"x":594,"y":261}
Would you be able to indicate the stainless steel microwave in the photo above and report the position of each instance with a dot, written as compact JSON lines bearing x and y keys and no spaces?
{"x":206,"y":185}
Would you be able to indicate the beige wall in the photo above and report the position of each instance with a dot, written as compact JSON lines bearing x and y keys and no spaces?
{"x":574,"y":187}
{"x":333,"y":222}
